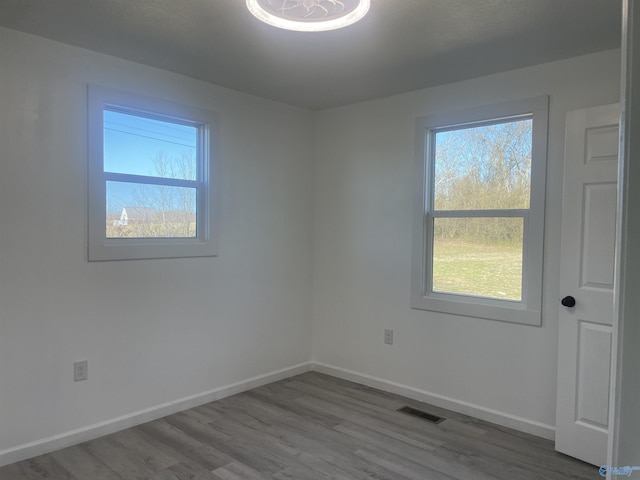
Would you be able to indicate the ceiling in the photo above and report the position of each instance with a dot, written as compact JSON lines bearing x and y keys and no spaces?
{"x":401,"y":45}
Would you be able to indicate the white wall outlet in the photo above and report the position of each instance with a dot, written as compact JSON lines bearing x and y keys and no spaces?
{"x":80,"y":370}
{"x":388,"y":336}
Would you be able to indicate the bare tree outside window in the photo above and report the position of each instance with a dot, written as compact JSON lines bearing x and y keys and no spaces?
{"x":157,"y":211}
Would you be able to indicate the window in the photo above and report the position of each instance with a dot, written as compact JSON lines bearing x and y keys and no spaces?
{"x":151,"y":191}
{"x":479,"y":214}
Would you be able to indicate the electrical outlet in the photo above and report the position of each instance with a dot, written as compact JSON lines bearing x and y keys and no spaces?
{"x":80,"y":370}
{"x":388,"y":337}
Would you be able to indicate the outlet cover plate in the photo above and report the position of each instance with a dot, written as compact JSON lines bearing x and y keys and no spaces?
{"x":80,"y":370}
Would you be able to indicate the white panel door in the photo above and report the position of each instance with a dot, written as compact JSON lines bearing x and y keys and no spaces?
{"x":587,"y":263}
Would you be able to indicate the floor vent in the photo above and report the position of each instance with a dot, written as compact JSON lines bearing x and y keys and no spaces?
{"x":424,"y":415}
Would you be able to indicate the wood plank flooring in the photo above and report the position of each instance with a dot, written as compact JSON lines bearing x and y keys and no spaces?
{"x":309,"y":427}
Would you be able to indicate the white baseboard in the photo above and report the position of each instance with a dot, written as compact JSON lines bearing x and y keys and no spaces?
{"x":56,"y":442}
{"x":63,"y":440}
{"x":466,"y":408}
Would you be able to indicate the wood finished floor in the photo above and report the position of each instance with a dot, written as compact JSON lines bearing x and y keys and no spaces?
{"x":309,"y":427}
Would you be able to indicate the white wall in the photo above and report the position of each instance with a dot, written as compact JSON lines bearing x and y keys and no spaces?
{"x":154,"y":331}
{"x":362,"y":257}
{"x":625,"y":441}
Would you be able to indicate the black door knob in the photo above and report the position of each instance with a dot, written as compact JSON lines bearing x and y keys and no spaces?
{"x":568,"y":301}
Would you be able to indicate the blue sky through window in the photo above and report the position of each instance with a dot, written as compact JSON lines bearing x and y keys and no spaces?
{"x":133,"y":144}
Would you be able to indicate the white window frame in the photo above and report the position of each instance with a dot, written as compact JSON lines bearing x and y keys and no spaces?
{"x":205,"y":243}
{"x":528,"y":309}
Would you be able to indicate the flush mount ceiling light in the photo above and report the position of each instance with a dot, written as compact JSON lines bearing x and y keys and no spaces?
{"x":309,"y":15}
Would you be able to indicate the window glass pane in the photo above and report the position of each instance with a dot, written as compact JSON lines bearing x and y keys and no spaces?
{"x":146,"y":211}
{"x":478,"y":256}
{"x":483,"y":167}
{"x":138,"y":145}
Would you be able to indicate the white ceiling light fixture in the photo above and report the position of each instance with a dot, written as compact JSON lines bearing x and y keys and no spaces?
{"x":309,"y":15}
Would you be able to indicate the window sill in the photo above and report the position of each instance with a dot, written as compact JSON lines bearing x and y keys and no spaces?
{"x":498,"y":310}
{"x":148,"y":248}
